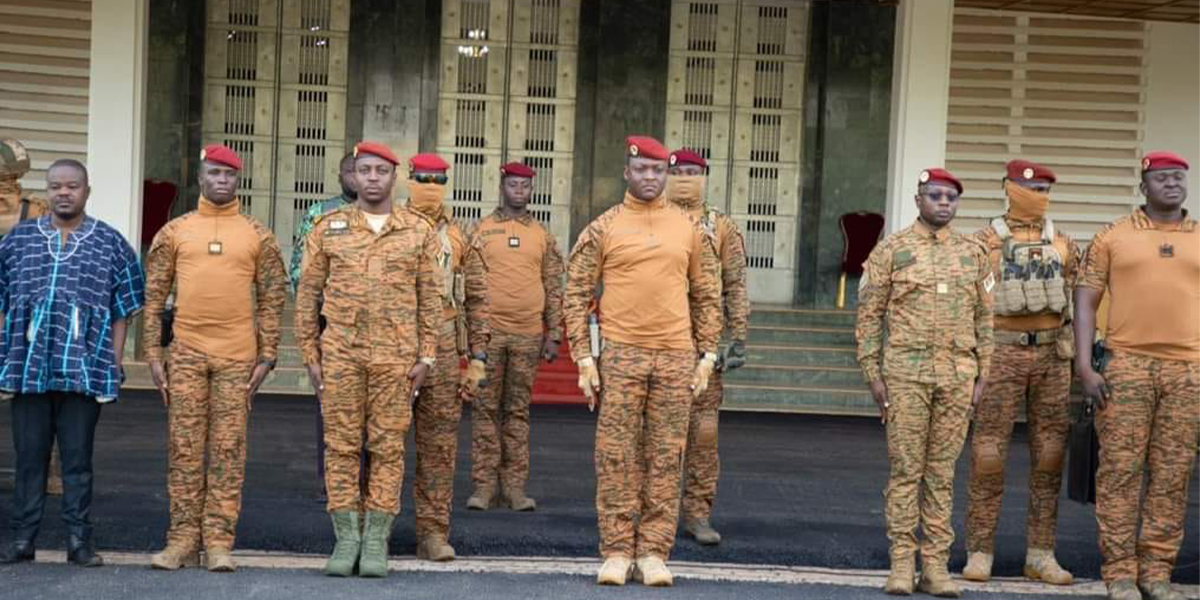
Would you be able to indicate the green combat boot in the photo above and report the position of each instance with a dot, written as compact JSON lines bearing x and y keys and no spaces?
{"x":373,"y":560}
{"x":349,"y":540}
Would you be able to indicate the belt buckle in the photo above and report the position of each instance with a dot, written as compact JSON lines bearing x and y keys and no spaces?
{"x":1026,"y":339}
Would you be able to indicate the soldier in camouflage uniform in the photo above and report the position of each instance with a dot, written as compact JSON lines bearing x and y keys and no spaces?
{"x":230,"y":288}
{"x":661,"y":322}
{"x":685,"y":188}
{"x":369,"y":271}
{"x":525,"y":284}
{"x":463,"y":333}
{"x":931,"y":288}
{"x":1149,"y":393}
{"x":14,"y":208}
{"x":348,"y":196}
{"x":1035,"y":266}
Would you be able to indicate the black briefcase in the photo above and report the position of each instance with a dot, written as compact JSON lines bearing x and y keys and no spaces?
{"x":1084,"y":457}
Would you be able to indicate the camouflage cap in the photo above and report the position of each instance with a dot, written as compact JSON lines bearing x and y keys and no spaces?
{"x":14,"y":160}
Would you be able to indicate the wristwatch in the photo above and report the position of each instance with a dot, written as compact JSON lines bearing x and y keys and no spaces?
{"x":428,"y":361}
{"x":269,"y":363}
{"x":709,"y":356}
{"x":480,"y":356}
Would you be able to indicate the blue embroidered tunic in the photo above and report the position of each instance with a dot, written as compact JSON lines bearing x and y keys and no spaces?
{"x":59,"y":302}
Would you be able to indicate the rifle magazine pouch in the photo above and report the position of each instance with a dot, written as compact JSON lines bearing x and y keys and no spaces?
{"x":1035,"y":295}
{"x":1011,"y":297}
{"x":1056,"y":294}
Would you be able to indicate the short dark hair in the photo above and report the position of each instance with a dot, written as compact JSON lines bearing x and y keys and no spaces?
{"x":345,"y":157}
{"x":71,"y":163}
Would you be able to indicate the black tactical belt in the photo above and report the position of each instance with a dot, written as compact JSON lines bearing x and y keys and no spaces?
{"x":1026,"y":338}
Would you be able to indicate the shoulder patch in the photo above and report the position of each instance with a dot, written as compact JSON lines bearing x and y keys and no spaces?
{"x":902,"y":258}
{"x":989,"y":282}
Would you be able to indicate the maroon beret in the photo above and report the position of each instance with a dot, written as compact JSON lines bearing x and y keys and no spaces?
{"x":1024,"y":169}
{"x":645,"y":147}
{"x":427,"y":162}
{"x":222,"y":155}
{"x":376,"y":149}
{"x":516,"y":169}
{"x":1162,"y":159}
{"x":683,"y":156}
{"x":940,"y":176}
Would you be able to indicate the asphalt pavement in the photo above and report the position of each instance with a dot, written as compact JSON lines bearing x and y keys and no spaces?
{"x":795,"y":491}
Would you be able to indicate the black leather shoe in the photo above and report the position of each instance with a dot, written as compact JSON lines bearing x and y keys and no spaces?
{"x":79,"y":552}
{"x":17,"y":551}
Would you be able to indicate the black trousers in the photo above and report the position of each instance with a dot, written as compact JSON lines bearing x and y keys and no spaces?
{"x":37,"y":419}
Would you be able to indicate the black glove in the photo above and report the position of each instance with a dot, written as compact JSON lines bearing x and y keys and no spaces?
{"x":734,"y":355}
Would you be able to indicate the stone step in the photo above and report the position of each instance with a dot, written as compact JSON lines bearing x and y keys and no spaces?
{"x":807,"y":356}
{"x":795,"y":376}
{"x":809,"y":399}
{"x":765,"y":315}
{"x":801,"y":336}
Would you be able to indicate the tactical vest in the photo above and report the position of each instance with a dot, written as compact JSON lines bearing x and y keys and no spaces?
{"x":453,"y":287}
{"x":708,"y":223}
{"x":1031,"y":280}
{"x":22,"y":214}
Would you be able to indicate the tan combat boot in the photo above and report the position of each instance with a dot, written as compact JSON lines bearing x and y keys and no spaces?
{"x":652,"y":571}
{"x":1040,"y":565}
{"x":703,"y":531}
{"x":482,"y":499}
{"x":900,"y":579}
{"x":979,"y":566}
{"x":219,"y":560}
{"x":1160,"y":590}
{"x":614,"y":571}
{"x":435,"y":548}
{"x":1123,"y":589}
{"x":176,"y":556}
{"x":936,"y":581}
{"x":518,"y":501}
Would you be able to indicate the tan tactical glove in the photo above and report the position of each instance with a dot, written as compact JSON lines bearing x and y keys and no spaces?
{"x":704,"y":370}
{"x":474,"y":378}
{"x":589,"y":380}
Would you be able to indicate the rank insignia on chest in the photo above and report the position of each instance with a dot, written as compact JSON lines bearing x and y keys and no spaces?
{"x":214,"y":247}
{"x":1166,"y":251}
{"x":514,"y":242}
{"x":338,"y":226}
{"x":942,"y":288}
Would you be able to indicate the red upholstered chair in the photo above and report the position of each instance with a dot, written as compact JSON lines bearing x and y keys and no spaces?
{"x":861,"y":231}
{"x":157,"y":198}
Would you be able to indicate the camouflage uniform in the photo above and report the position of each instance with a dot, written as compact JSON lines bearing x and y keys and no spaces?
{"x":702,"y":466}
{"x":1151,"y":420}
{"x":209,"y":404}
{"x":645,"y":395}
{"x":377,"y":292}
{"x":463,"y":328}
{"x":500,"y":413}
{"x":1036,"y":371}
{"x":932,"y":289}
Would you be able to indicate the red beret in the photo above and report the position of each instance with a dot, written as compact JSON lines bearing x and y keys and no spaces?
{"x":683,"y":156}
{"x":940,"y":176}
{"x":1155,"y":161}
{"x":427,"y":162}
{"x":222,"y":155}
{"x":645,"y":147}
{"x":1024,"y":169}
{"x":376,"y":149}
{"x":516,"y":169}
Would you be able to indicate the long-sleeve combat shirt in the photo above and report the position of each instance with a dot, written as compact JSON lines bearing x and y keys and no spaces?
{"x":525,"y":275}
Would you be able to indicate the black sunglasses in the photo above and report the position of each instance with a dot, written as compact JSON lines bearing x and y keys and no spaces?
{"x":437,"y":178}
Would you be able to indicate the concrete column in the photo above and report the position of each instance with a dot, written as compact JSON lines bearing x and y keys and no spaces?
{"x":1173,"y":95}
{"x":116,"y":106}
{"x":920,"y":101}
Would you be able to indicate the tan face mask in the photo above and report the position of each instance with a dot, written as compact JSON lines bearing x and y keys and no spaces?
{"x":1025,"y":204}
{"x":686,"y":190}
{"x":425,"y":198}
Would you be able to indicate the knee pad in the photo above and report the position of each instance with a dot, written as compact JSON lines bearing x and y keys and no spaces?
{"x":987,"y":460}
{"x":1051,"y":461}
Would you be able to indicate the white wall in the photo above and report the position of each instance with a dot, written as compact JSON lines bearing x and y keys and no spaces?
{"x":920,"y":101}
{"x":1173,"y":97}
{"x":116,"y":109}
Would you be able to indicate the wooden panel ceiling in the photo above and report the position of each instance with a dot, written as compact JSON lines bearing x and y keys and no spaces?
{"x":1180,"y":11}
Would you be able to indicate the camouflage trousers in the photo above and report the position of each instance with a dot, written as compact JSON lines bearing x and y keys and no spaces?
{"x":207,"y":417}
{"x":701,"y":464}
{"x":438,"y":412}
{"x":363,"y":395}
{"x":640,"y":436}
{"x":927,"y":424}
{"x":1149,"y":424}
{"x":500,"y":414}
{"x":1036,"y":376}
